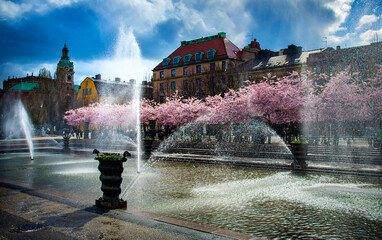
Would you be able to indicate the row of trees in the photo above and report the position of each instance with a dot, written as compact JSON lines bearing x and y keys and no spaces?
{"x":293,"y":98}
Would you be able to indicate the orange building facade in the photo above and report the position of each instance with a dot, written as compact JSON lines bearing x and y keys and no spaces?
{"x":200,"y":67}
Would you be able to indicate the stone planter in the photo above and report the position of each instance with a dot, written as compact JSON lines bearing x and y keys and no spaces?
{"x":152,"y":131}
{"x":111,"y":168}
{"x":66,"y":140}
{"x":300,"y":152}
{"x":147,"y":146}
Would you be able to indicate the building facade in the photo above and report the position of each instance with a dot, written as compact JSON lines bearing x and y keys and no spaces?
{"x":45,"y":98}
{"x":65,"y":81}
{"x":360,"y":59}
{"x":279,"y":64}
{"x":200,"y":67}
{"x":98,"y":90}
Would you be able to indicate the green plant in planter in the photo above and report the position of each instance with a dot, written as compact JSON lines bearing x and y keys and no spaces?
{"x":111,"y":156}
{"x":300,"y":142}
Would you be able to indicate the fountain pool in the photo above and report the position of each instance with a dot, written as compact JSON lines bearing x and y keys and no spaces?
{"x":265,"y":203}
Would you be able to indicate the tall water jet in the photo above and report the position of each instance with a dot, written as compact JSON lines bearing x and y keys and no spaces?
{"x":26,"y":126}
{"x":136,"y":102}
{"x":17,"y":122}
{"x":128,"y":56}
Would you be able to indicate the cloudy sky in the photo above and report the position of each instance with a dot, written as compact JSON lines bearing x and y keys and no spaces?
{"x":127,"y":38}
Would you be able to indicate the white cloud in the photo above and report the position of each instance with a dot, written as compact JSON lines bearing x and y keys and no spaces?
{"x":370,"y":36}
{"x":341,"y":9}
{"x":13,"y":11}
{"x":367,"y":20}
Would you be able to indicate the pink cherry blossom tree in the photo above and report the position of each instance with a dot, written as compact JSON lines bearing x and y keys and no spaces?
{"x":278,"y":100}
{"x":372,"y":95}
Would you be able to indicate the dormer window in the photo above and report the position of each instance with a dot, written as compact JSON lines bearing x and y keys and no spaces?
{"x":211,"y":53}
{"x":176,"y":60}
{"x":166,"y":61}
{"x":187,"y":58}
{"x":199,"y":56}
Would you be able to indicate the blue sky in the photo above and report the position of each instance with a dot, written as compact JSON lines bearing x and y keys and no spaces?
{"x":127,"y":39}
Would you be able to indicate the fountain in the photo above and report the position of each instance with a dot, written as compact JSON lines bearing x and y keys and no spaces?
{"x":18,"y":124}
{"x":232,"y":180}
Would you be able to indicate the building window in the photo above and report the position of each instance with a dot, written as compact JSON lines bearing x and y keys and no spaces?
{"x":224,"y":67}
{"x":93,"y":100}
{"x":166,"y":61}
{"x":161,"y":99}
{"x":198,"y":68}
{"x":161,"y":74}
{"x":90,"y":91}
{"x":211,"y":53}
{"x":185,"y":84}
{"x":317,"y":70}
{"x":332,"y":69}
{"x":213,"y":81}
{"x":86,"y":83}
{"x":67,"y":88}
{"x":198,"y":82}
{"x":86,"y":92}
{"x":69,"y":77}
{"x":199,"y":95}
{"x":345,"y":67}
{"x":83,"y":91}
{"x":172,"y":72}
{"x":176,"y":60}
{"x":161,"y":86}
{"x":187,"y":58}
{"x":173,"y":85}
{"x":199,"y":56}
{"x":212,"y":66}
{"x":185,"y":71}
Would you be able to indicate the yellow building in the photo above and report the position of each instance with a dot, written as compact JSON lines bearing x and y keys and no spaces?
{"x":97,"y":90}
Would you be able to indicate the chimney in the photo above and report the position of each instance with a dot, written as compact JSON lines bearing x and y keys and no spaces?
{"x":255,"y":44}
{"x":98,"y":76}
{"x":132,"y":81}
{"x":117,"y":79}
{"x":338,"y":48}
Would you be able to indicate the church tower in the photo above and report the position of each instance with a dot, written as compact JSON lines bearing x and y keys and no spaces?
{"x":65,"y":81}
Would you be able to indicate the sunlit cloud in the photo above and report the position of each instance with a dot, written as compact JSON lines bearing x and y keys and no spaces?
{"x":370,"y":36}
{"x":367,"y":20}
{"x":341,"y":9}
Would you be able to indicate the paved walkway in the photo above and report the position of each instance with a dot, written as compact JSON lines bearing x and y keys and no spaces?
{"x":29,"y":212}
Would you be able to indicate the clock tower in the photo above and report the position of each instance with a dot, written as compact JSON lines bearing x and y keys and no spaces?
{"x":65,"y":82}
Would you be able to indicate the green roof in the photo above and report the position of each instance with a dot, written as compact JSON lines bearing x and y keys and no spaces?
{"x":77,"y":88}
{"x":25,"y":86}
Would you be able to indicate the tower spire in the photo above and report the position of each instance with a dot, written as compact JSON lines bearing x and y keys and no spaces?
{"x":65,"y":52}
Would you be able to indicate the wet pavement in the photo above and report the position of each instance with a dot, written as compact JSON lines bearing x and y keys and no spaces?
{"x":29,"y":212}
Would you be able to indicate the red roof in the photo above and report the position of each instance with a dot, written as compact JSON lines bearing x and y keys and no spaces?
{"x":224,"y":49}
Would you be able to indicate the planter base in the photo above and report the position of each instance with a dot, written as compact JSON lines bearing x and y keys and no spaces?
{"x":119,"y":204}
